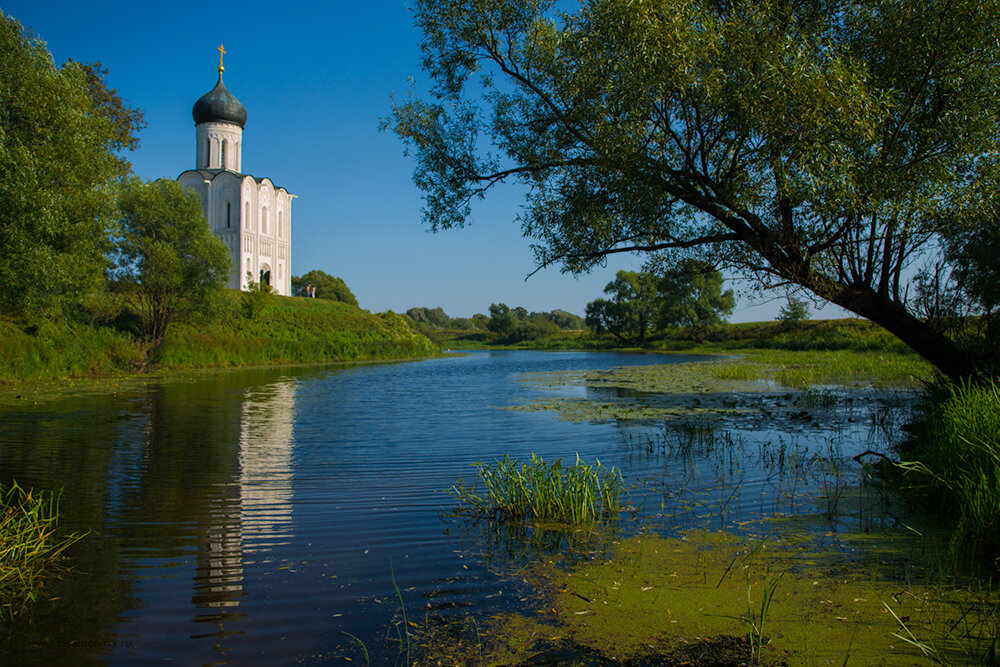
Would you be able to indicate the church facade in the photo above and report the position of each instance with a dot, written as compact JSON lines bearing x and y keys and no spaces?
{"x":251,"y":215}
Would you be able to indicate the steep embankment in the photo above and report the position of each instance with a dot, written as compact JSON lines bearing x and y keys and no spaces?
{"x":240,"y":332}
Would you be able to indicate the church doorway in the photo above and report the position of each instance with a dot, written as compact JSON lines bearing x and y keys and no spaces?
{"x":265,"y":275}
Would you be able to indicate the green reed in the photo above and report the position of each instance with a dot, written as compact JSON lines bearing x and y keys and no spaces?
{"x":29,"y":545}
{"x":958,"y":454}
{"x":577,"y":494}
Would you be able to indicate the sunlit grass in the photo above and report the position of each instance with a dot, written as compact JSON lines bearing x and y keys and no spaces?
{"x":29,"y":545}
{"x":799,"y":369}
{"x":576,"y":494}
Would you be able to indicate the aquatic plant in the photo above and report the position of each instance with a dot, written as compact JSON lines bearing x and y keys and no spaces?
{"x":756,"y":619}
{"x":577,"y":493}
{"x":957,"y":453}
{"x":29,"y":545}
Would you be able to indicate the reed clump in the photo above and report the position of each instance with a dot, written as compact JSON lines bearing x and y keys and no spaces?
{"x":958,"y":453}
{"x":29,"y":545}
{"x":540,"y":491}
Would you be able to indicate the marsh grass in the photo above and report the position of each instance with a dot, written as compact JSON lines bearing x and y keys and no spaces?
{"x":536,"y":490}
{"x":756,"y":618}
{"x":29,"y":545}
{"x":956,"y":460}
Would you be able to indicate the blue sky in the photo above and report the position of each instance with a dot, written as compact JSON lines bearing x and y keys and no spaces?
{"x":315,"y":79}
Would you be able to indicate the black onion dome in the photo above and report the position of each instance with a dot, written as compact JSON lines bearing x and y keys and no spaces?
{"x":219,"y":104}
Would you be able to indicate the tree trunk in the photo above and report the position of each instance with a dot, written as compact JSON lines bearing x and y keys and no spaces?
{"x":942,"y":352}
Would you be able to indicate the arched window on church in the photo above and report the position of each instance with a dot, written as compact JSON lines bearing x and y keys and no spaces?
{"x":246,"y":216}
{"x":223,"y":162}
{"x":229,"y":213}
{"x":263,"y":221}
{"x":208,"y":153}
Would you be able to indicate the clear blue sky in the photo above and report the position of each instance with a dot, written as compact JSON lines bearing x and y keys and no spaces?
{"x":315,"y":79}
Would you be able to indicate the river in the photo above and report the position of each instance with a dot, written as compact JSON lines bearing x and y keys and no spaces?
{"x":283,"y":516}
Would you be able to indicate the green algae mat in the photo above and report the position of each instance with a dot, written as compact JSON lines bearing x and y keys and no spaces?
{"x":714,"y":598}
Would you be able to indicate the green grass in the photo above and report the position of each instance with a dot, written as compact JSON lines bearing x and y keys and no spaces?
{"x":97,"y":339}
{"x":291,"y":330}
{"x":29,"y":546}
{"x":539,"y":491}
{"x":956,"y":462}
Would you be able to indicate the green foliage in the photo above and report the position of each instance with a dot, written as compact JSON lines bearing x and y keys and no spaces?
{"x":631,"y":311}
{"x":61,"y":134}
{"x":327,"y":287}
{"x":793,"y":313}
{"x":956,"y":460}
{"x":543,"y":492}
{"x":691,"y":296}
{"x":434,"y":317}
{"x":29,"y":545}
{"x":255,"y":299}
{"x":503,"y":320}
{"x":168,"y":261}
{"x":513,"y":325}
{"x":835,"y":146}
{"x":687,"y":295}
{"x":563,"y":320}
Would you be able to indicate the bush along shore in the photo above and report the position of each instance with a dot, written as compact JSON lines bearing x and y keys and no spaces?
{"x":99,"y":338}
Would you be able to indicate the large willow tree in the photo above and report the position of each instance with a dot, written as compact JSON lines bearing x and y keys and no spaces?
{"x":847,"y":147}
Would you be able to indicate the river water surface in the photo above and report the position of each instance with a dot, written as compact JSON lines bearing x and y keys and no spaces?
{"x":286,"y":516}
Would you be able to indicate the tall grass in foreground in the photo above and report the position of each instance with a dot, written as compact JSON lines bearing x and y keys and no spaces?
{"x":958,"y":450}
{"x":28,"y":545}
{"x":546,"y":492}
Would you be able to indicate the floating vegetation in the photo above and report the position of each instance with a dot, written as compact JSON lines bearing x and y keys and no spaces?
{"x":682,"y":393}
{"x":733,"y":600}
{"x":29,"y":546}
{"x":539,"y":491}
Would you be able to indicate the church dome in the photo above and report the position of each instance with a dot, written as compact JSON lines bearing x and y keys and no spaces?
{"x":219,"y":105}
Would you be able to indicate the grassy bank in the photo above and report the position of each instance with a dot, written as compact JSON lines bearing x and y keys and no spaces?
{"x":99,"y":342}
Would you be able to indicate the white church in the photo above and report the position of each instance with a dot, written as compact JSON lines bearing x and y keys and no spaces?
{"x":250,"y":214}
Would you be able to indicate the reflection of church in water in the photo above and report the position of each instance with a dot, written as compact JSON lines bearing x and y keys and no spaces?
{"x":251,"y":215}
{"x":246,"y":525}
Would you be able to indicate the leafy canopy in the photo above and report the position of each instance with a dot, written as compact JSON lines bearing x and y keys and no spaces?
{"x":631,"y":311}
{"x":168,"y":262}
{"x":838,"y":146}
{"x":327,"y":287}
{"x":688,"y":295}
{"x":692,"y":298}
{"x":62,"y":131}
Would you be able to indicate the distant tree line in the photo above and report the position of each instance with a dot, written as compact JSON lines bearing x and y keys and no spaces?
{"x":503,"y":324}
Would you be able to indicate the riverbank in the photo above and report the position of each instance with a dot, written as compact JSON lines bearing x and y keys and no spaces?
{"x":276,"y":331}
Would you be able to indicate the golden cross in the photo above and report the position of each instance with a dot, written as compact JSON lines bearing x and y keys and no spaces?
{"x":222,"y":52}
